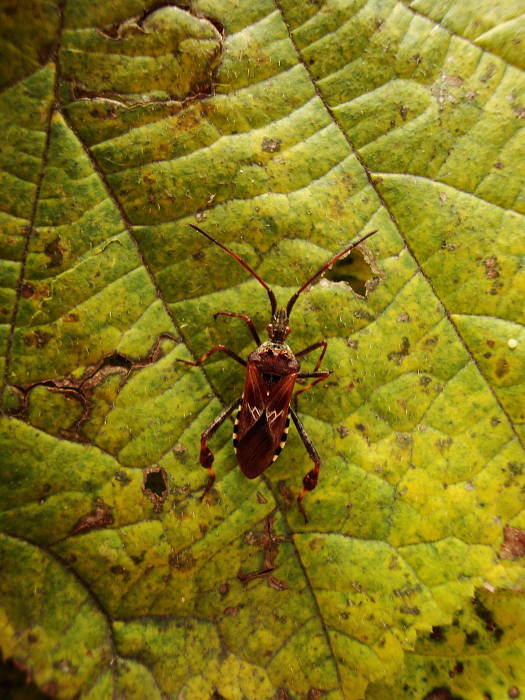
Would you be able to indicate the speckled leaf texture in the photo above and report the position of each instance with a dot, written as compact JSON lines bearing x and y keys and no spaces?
{"x":286,"y":129}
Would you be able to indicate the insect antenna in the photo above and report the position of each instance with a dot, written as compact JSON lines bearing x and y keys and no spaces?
{"x":273,"y":300}
{"x":320,"y":273}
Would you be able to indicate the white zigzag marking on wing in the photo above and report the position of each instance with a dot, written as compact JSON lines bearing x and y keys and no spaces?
{"x":272,"y":416}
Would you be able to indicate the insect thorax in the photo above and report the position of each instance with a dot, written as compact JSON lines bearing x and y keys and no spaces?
{"x":274,"y":358}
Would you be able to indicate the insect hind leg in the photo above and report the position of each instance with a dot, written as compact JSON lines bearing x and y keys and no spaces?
{"x":206,"y":455}
{"x":309,"y":479}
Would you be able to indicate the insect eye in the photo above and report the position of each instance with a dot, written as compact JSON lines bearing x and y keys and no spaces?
{"x":269,"y":328}
{"x":288,"y":329}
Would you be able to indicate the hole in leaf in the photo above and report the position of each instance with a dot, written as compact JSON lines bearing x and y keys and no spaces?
{"x":354,"y":270}
{"x":16,"y":679}
{"x":156,"y":484}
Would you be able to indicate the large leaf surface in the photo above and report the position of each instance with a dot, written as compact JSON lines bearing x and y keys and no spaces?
{"x":286,"y":129}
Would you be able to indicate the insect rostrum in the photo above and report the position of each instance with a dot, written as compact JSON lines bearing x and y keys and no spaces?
{"x":264,"y":409}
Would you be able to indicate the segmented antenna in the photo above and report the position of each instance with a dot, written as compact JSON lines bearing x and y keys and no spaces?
{"x":273,"y":300}
{"x":324,"y":268}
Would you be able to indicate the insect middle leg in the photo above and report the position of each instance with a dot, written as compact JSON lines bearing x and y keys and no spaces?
{"x":206,"y":455}
{"x":247,"y":320}
{"x":320,"y":344}
{"x":310,"y":479}
{"x":319,"y":376}
{"x":215,"y":348}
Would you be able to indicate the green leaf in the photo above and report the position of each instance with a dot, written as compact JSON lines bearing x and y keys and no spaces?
{"x":286,"y":130}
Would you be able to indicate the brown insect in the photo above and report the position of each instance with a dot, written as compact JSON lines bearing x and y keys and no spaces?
{"x":261,"y":425}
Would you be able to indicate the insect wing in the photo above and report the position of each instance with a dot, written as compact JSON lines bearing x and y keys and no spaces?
{"x":262,"y":423}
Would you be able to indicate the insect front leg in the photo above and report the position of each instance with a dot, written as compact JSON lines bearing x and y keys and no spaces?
{"x":310,"y":479}
{"x":206,"y":455}
{"x":215,"y":348}
{"x":247,"y":320}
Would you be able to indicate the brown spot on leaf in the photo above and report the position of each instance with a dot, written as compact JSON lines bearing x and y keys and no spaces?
{"x":55,"y":252}
{"x":183,"y":561}
{"x":457,"y":670}
{"x":271,"y":145}
{"x":50,"y":688}
{"x":27,"y":290}
{"x":99,"y":517}
{"x":281,"y":694}
{"x":314,"y":694}
{"x":513,"y":545}
{"x":277,"y":584}
{"x":37,"y":339}
{"x":491,"y":267}
{"x":397,"y":356}
{"x":502,"y":367}
{"x":441,"y":693}
{"x":231,"y":612}
{"x":513,"y":692}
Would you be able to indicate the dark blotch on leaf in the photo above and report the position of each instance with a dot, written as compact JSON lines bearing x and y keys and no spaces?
{"x":38,"y":339}
{"x":281,"y":694}
{"x":441,"y":694}
{"x":472,"y":638}
{"x":437,"y":634}
{"x":488,"y":618}
{"x":502,"y":367}
{"x":54,"y":251}
{"x":364,"y":315}
{"x":183,"y":561}
{"x":397,"y":356}
{"x":457,"y":670}
{"x":27,"y":290}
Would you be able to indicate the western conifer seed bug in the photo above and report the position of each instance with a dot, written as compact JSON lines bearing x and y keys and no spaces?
{"x":263,"y":418}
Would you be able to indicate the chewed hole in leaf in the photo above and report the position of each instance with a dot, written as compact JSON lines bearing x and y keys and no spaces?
{"x":156,"y":484}
{"x":15,"y":677}
{"x":354,"y":270}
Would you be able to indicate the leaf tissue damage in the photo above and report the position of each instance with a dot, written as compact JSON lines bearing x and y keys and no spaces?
{"x":287,"y":130}
{"x":168,"y":52}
